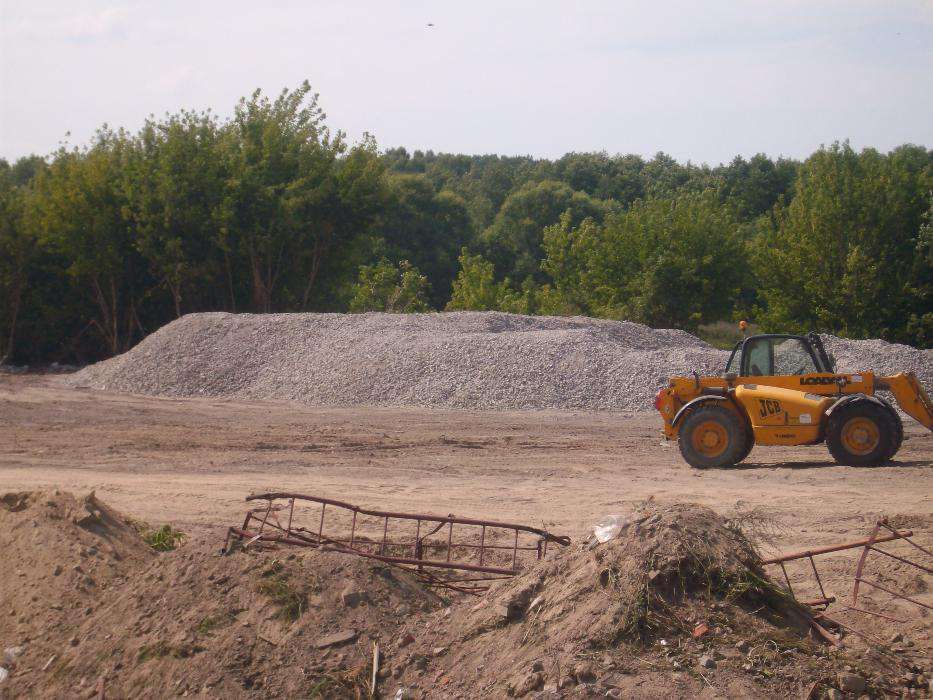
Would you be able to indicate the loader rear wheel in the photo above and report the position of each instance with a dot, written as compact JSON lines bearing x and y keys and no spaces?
{"x":863,"y":434}
{"x":713,"y":436}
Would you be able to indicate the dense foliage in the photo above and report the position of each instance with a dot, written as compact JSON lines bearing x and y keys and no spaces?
{"x":271,"y":210}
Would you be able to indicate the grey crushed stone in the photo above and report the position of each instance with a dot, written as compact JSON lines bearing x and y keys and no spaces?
{"x":471,"y":360}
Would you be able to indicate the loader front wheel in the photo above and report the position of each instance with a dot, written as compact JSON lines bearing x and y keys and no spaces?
{"x":713,"y":436}
{"x":862,"y":434}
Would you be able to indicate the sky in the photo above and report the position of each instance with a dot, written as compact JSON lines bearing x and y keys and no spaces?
{"x":701,"y":81}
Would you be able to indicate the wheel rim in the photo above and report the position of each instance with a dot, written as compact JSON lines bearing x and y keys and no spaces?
{"x":860,"y":436}
{"x":710,"y":438}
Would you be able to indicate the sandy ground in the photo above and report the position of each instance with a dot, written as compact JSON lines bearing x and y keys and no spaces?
{"x":191,"y":462}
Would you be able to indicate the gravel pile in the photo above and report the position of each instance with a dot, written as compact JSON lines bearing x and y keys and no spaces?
{"x":460,"y":360}
{"x":881,"y":357}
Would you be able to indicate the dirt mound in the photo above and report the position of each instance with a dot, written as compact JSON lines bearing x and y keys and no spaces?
{"x":464,"y":360}
{"x":673,"y":605}
{"x":677,"y":590}
{"x":280,"y":624}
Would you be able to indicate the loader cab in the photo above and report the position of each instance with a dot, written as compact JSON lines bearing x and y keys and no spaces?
{"x":778,"y":355}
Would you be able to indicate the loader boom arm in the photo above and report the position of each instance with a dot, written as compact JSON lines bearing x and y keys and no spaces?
{"x":910,"y":396}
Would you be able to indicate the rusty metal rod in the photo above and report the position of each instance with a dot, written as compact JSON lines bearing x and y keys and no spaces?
{"x":901,"y":534}
{"x":393,"y":560}
{"x":906,"y":561}
{"x":413,"y":516}
{"x":895,"y":593}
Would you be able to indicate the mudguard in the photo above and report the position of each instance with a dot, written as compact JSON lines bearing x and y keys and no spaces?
{"x":694,"y":402}
{"x":853,"y":398}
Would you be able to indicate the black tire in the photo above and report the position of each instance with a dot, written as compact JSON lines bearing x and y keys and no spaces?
{"x":898,"y":435}
{"x":883,"y":424}
{"x":749,"y":444}
{"x":732,"y":429}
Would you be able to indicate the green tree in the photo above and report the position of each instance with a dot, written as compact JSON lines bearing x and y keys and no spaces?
{"x":390,"y":288}
{"x":17,"y":250}
{"x":81,"y":207}
{"x":174,"y":185}
{"x":513,"y":242}
{"x":426,"y":227}
{"x":842,"y":256}
{"x":476,"y":289}
{"x":665,"y":262}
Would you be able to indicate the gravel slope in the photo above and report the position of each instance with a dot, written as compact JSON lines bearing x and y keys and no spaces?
{"x":479,"y":360}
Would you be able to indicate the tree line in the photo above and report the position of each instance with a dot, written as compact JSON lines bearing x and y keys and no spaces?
{"x":272,"y":210}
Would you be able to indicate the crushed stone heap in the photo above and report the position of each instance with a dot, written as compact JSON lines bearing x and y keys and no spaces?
{"x":473,"y":360}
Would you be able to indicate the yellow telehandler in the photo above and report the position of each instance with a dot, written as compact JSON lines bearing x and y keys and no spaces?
{"x":784,"y":390}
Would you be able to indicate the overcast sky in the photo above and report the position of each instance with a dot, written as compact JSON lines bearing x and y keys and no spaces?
{"x":702,"y":81}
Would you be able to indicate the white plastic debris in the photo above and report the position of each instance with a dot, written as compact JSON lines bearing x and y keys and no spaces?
{"x":4,"y":674}
{"x":608,"y":527}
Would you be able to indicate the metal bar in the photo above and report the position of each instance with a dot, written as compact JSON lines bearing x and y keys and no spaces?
{"x":876,"y":614}
{"x":393,"y":560}
{"x":320,"y":530}
{"x":906,"y":561}
{"x":894,"y":593}
{"x":417,"y":538}
{"x":515,"y":550}
{"x":817,"y":574}
{"x":861,"y":561}
{"x":818,"y":601}
{"x":450,"y":536}
{"x":482,"y":549}
{"x":385,"y":534}
{"x":901,"y":534}
{"x":414,"y":516}
{"x":353,"y":529}
{"x":884,"y":523}
{"x":787,"y":578}
{"x":291,"y":512}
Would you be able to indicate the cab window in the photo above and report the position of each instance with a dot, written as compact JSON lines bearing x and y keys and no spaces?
{"x":758,"y":358}
{"x":791,"y":356}
{"x":777,"y":356}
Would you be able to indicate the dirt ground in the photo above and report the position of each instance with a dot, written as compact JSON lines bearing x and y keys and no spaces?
{"x":192,"y":461}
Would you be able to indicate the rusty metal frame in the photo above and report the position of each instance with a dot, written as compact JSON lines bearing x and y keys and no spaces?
{"x":467,"y":574}
{"x":868,"y":545}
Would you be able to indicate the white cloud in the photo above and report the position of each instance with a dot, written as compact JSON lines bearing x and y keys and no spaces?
{"x":40,"y":23}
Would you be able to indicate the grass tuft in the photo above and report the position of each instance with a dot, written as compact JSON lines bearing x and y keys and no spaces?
{"x":165,"y":539}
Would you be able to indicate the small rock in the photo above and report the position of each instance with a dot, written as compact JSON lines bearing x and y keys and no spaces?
{"x":566,"y":682}
{"x":700,"y":629}
{"x":614,"y":693}
{"x":10,"y":653}
{"x":57,"y":570}
{"x":851,"y":683}
{"x":742,"y":647}
{"x":896,"y":639}
{"x":336,"y":639}
{"x":584,"y":673}
{"x":351,"y":597}
{"x":834,"y":694}
{"x":706,"y":661}
{"x":439,"y":651}
{"x":4,"y":674}
{"x":537,"y":667}
{"x":522,"y":686}
{"x":74,"y":641}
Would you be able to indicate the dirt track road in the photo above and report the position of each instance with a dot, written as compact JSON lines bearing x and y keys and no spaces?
{"x":191,"y":462}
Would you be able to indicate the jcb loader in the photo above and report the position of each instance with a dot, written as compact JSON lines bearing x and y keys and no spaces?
{"x":784,"y":390}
